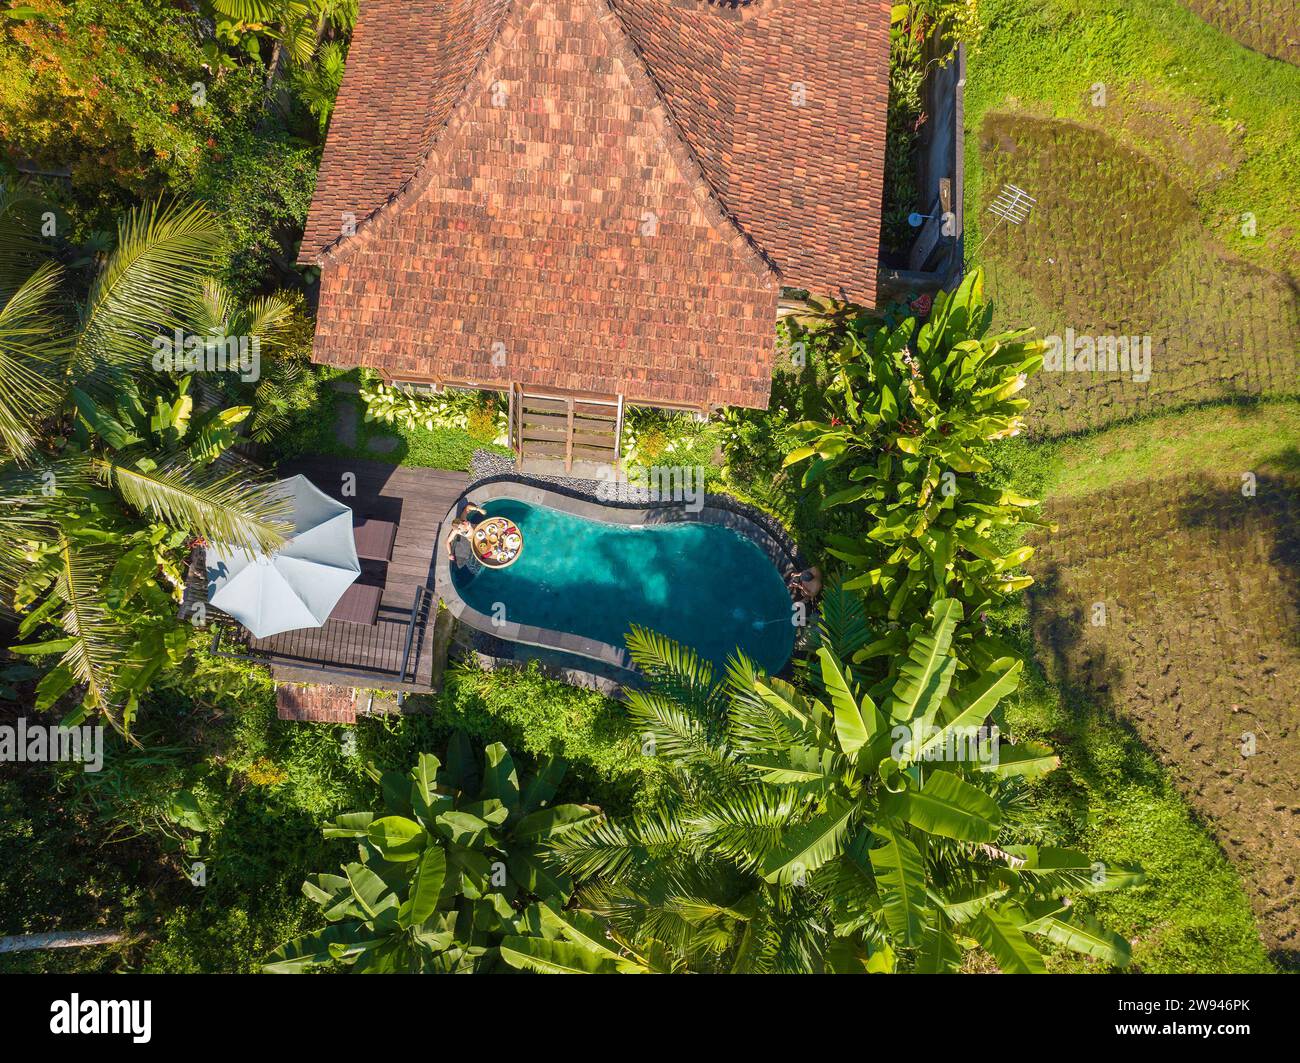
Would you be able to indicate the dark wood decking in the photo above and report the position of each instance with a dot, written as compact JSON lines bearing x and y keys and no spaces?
{"x":416,"y":500}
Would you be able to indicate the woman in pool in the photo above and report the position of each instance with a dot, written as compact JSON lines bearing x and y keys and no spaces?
{"x":462,"y":528}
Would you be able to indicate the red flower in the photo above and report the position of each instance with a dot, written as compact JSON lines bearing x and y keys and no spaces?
{"x":920,"y":306}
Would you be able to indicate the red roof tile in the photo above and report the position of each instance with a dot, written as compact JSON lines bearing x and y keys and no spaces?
{"x":784,"y":103}
{"x":597,"y":195}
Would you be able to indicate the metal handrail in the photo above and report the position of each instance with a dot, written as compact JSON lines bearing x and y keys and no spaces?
{"x":406,"y":673}
{"x":422,"y":593}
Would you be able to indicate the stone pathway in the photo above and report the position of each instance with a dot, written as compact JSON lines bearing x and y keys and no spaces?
{"x":345,"y":423}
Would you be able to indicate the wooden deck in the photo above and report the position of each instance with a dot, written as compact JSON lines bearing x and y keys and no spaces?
{"x":416,"y":500}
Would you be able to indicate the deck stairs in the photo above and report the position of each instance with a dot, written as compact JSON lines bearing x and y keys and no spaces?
{"x":566,"y":435}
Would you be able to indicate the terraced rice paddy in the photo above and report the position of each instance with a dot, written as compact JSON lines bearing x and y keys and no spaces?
{"x":1176,"y":604}
{"x":1267,"y":26}
{"x":1163,"y":159}
{"x":1115,"y":247}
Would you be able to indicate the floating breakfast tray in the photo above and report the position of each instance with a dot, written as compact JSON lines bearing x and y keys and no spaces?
{"x":497,"y":542}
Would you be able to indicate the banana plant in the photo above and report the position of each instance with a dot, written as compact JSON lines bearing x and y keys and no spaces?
{"x":456,"y":865}
{"x":576,"y":942}
{"x":840,"y":830}
{"x":916,"y":409}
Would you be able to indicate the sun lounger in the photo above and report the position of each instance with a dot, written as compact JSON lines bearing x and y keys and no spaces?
{"x":374,"y":539}
{"x":359,"y":605}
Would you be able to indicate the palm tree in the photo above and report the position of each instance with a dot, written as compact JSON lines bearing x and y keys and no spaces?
{"x":77,"y":490}
{"x":60,"y":940}
{"x":848,"y":830}
{"x":318,"y":82}
{"x":285,"y":383}
{"x":295,"y":26}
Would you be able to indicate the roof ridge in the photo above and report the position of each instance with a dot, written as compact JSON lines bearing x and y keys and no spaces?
{"x":339,"y":247}
{"x":638,"y":72}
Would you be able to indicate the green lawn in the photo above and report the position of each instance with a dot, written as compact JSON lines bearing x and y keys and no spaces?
{"x":317,"y":433}
{"x":1230,"y":440}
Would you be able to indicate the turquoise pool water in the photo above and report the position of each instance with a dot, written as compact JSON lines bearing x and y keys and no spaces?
{"x":703,"y":585}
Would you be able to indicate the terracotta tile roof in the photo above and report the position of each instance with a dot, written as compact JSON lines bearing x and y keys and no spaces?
{"x":315,"y":703}
{"x":804,"y":181}
{"x":407,"y":67}
{"x":597,"y":195}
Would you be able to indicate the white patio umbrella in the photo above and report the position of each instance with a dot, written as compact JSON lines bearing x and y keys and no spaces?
{"x":299,"y":584}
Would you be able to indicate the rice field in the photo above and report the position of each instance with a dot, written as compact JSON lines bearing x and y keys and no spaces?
{"x":1268,"y":26}
{"x":1161,"y":158}
{"x":1175,"y":602}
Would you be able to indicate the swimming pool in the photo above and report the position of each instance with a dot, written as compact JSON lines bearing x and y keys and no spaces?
{"x":701,"y":584}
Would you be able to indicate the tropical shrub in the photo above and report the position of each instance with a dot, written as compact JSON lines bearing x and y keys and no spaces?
{"x":260,"y":181}
{"x":916,"y":409}
{"x":456,"y":866}
{"x":662,"y":437}
{"x":847,"y":831}
{"x":108,"y":89}
{"x":958,"y":19}
{"x":450,"y":408}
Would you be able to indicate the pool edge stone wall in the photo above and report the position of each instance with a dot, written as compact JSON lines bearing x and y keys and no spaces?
{"x":493,"y":476}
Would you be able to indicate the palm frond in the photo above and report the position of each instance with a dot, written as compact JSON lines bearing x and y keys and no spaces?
{"x":842,"y":622}
{"x":266,"y":319}
{"x":298,"y":33}
{"x":767,"y":717}
{"x":678,"y":672}
{"x":677,"y":734}
{"x":342,"y":13}
{"x":602,"y":847}
{"x":21,"y":247}
{"x":150,"y":283}
{"x":222,"y":506}
{"x":33,"y":355}
{"x":748,"y":825}
{"x":250,"y":10}
{"x":97,"y":644}
{"x":28,"y":514}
